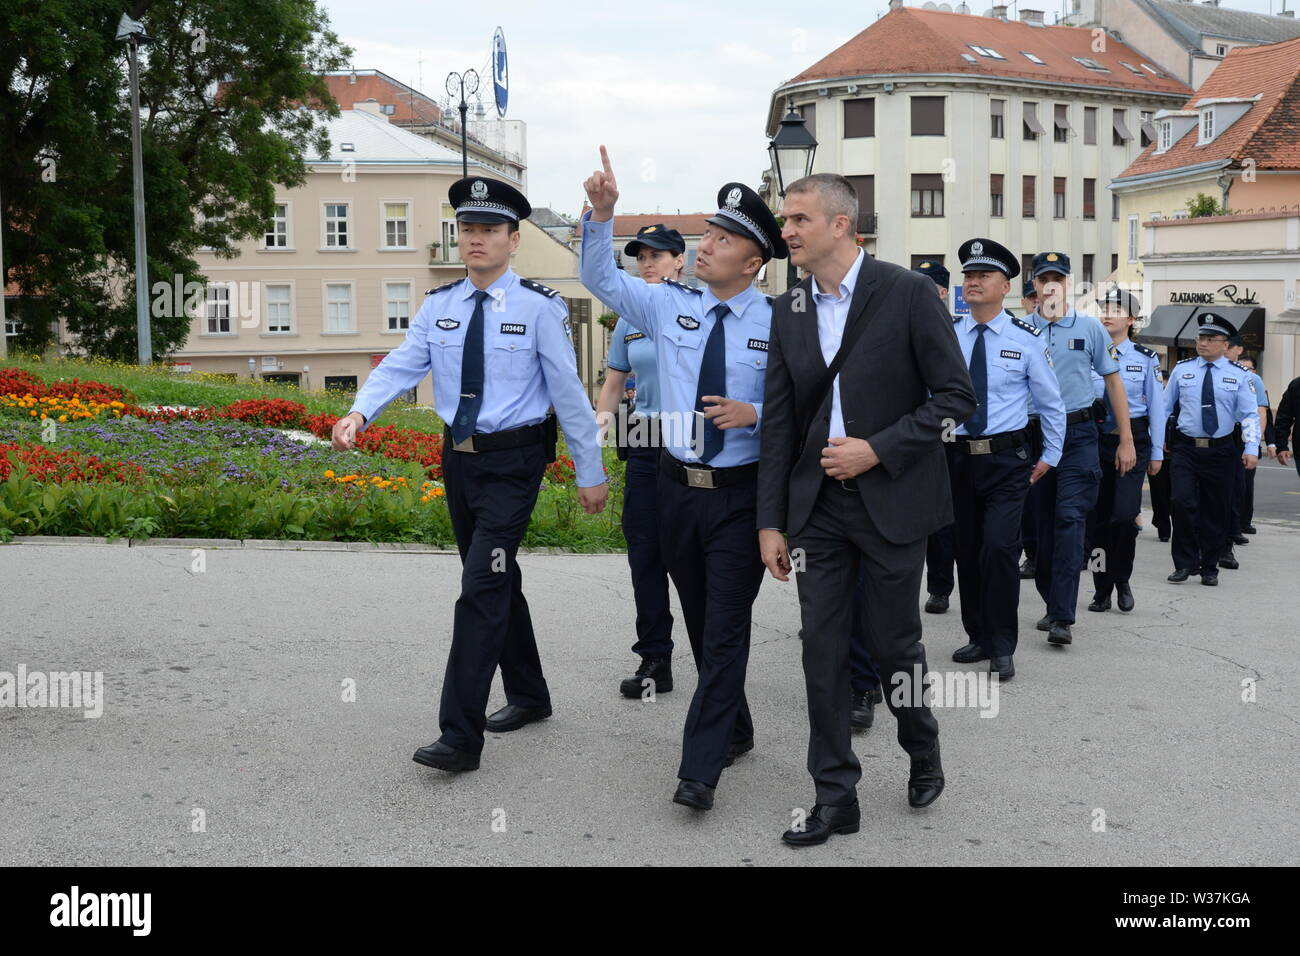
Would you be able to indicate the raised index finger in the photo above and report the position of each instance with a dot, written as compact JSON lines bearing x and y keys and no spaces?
{"x":604,"y":159}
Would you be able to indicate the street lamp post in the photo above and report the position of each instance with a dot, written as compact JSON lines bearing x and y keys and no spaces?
{"x":468,"y":83}
{"x":132,"y":33}
{"x":792,"y":150}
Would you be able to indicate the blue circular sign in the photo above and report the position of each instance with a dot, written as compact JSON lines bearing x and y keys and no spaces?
{"x":500,"y":77}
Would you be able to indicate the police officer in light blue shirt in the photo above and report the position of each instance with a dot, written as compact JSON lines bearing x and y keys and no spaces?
{"x":712,"y":357}
{"x":501,"y":355}
{"x":1211,"y":395}
{"x":1112,"y":534}
{"x":1079,"y":346}
{"x":990,"y":464}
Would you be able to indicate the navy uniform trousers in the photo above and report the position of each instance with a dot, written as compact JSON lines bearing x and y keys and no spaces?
{"x":1068,"y":492}
{"x":1201,"y":481}
{"x":988,"y":498}
{"x":654,"y":620}
{"x":1119,"y":501}
{"x":490,"y":496}
{"x":1161,"y":492}
{"x":710,"y":547}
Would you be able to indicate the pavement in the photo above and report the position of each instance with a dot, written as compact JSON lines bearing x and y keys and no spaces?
{"x":225,"y":736}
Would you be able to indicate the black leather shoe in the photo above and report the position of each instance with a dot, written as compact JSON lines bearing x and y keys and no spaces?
{"x":441,"y":756}
{"x":926,"y":782}
{"x":693,"y":794}
{"x":1240,"y":539}
{"x":1124,"y":597}
{"x":822,"y":822}
{"x":511,"y":717}
{"x":1248,"y":529}
{"x":735,"y":750}
{"x":1164,"y":536}
{"x":1059,"y":634}
{"x":936,"y":604}
{"x":862,"y":712}
{"x":1003,"y":667}
{"x":657,"y":669}
{"x":1100,"y":603}
{"x":1044,"y":623}
{"x":1179,"y":576}
{"x":972,"y":653}
{"x":1229,"y":561}
{"x":1210,"y":579}
{"x":1027,"y":569}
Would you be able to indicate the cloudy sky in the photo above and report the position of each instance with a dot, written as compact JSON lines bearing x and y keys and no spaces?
{"x":678,"y":91}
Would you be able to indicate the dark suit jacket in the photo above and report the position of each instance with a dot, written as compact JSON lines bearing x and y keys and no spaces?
{"x":904,"y":381}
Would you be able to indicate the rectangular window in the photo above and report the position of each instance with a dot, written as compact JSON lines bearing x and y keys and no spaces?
{"x":1114,"y":207}
{"x":809,"y":113}
{"x":1090,"y":199}
{"x":1146,"y":130}
{"x":995,"y":195}
{"x":865,"y":187}
{"x":859,"y":118}
{"x":277,"y":308}
{"x":1088,"y":258}
{"x":1026,"y":264}
{"x":1132,"y":238}
{"x":336,"y":225}
{"x":997,"y":110}
{"x":1061,"y":123}
{"x":340,"y":383}
{"x":1032,"y":128}
{"x":1058,"y":197}
{"x":927,"y":115}
{"x":1119,"y":134}
{"x":338,"y":308}
{"x":1028,"y":188}
{"x":397,"y":305}
{"x":11,"y":324}
{"x":1207,"y":124}
{"x":216,"y":308}
{"x":396,"y":225}
{"x":1090,"y":126}
{"x":277,"y":234}
{"x":1114,"y":262}
{"x":1166,"y":130}
{"x":927,"y":195}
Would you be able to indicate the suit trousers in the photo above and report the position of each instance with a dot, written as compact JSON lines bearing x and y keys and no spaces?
{"x":710,"y":547}
{"x":1066,"y":494}
{"x":838,"y":531}
{"x":490,"y":496}
{"x":939,"y":557}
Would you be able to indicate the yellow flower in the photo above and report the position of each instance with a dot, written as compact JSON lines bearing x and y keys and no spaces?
{"x":329,"y":472}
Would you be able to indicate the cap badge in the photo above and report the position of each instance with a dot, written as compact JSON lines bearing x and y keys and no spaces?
{"x":977,"y":248}
{"x":733,"y":198}
{"x":925,"y":265}
{"x":478,"y":189}
{"x":650,"y":229}
{"x":1051,"y":257}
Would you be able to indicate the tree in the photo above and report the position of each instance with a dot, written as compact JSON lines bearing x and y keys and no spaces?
{"x":1204,"y":205}
{"x":65,"y":146}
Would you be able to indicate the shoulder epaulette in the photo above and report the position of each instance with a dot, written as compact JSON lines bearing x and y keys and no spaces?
{"x":1021,"y":323}
{"x":1239,"y":365}
{"x":1143,"y":350}
{"x":685,"y":288}
{"x":539,"y":288}
{"x":443,"y":288}
{"x":1186,"y":360}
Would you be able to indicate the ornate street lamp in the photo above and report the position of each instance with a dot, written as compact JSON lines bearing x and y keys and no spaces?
{"x":792,"y":149}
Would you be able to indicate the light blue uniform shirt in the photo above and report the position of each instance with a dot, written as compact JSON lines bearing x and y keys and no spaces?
{"x":631,"y":350}
{"x":1139,"y":370}
{"x":1080,"y":345}
{"x":1261,"y":394}
{"x":1018,"y":367}
{"x":1234,"y":399}
{"x":679,"y":319}
{"x":528,"y":364}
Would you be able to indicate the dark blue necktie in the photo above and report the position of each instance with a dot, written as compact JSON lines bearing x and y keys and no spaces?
{"x":979,"y":377}
{"x":713,"y":381}
{"x":1209,"y":413}
{"x":471,"y":374}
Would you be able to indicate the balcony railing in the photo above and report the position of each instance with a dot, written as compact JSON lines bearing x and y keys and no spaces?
{"x":444,"y":255}
{"x":867,"y":223}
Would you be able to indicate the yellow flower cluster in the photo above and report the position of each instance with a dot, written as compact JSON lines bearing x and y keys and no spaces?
{"x":428,"y":490}
{"x":64,"y":408}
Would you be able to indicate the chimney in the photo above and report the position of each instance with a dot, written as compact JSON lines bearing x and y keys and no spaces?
{"x":999,"y":12}
{"x":1031,"y":16}
{"x":1286,"y":13}
{"x":372,"y":107}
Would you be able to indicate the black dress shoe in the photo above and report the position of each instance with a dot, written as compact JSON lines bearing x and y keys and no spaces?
{"x":1164,"y":536}
{"x":936,"y":604}
{"x":1003,"y":667}
{"x":1210,"y":578}
{"x":1179,"y":576}
{"x":656,"y":669}
{"x":1027,"y":569}
{"x":735,"y":750}
{"x":822,"y":822}
{"x":1100,"y":603}
{"x":441,"y":756}
{"x":1229,"y":561}
{"x":1059,"y":634}
{"x":1044,"y":623}
{"x":693,"y":794}
{"x":1240,"y":539}
{"x":862,"y":711}
{"x":1124,"y":597}
{"x":1248,"y":529}
{"x":511,"y":717}
{"x":971,"y":653}
{"x":926,"y":782}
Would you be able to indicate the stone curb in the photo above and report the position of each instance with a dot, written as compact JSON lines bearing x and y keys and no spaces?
{"x":274,"y":544}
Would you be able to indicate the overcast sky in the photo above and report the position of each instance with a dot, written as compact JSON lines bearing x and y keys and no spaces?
{"x":678,"y":91}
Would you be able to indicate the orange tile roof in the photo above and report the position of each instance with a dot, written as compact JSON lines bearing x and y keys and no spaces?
{"x":384,"y":90}
{"x":1267,"y":133}
{"x":908,"y":40}
{"x":688,"y":224}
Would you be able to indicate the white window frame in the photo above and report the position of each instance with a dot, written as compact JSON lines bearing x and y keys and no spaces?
{"x":1206,"y":133}
{"x":326,"y":219}
{"x":276,"y":221}
{"x":211,"y":315}
{"x":1132,"y":238}
{"x":326,"y":328}
{"x":408,"y":219}
{"x":266,"y":307}
{"x":1165,"y":132}
{"x":410,"y":313}
{"x":205,"y":221}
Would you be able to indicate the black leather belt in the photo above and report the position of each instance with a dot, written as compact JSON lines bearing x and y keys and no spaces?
{"x":1140,"y":426}
{"x":1079,"y":415}
{"x":496,"y":441}
{"x":706,"y":476}
{"x":1177,"y":437}
{"x":988,"y":444}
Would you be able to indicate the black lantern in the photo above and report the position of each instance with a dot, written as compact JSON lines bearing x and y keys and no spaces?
{"x":792,"y":149}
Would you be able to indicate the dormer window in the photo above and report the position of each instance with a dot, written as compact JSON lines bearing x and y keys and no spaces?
{"x":1207,"y":125}
{"x":1165,"y":129}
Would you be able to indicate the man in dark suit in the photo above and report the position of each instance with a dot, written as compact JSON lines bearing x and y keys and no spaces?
{"x":856,"y":466}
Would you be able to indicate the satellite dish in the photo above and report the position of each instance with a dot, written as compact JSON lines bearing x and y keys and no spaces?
{"x":962,"y":8}
{"x":500,"y":75}
{"x":987,"y":13}
{"x":929,"y":5}
{"x":945,"y":8}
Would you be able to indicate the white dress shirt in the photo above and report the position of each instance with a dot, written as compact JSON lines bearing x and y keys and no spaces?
{"x":832,"y":316}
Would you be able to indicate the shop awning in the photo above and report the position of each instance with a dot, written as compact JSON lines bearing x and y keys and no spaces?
{"x":1176,"y":325}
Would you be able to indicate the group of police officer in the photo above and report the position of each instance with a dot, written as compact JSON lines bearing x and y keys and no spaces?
{"x":1065,"y":405}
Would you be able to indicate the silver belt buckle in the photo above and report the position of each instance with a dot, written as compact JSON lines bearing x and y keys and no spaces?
{"x":980,"y":446}
{"x":699,"y":477}
{"x":466,"y":445}
{"x":1202,"y":442}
